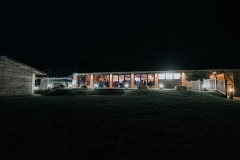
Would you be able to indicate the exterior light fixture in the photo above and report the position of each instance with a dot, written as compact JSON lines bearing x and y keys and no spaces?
{"x":161,"y":86}
{"x":70,"y":85}
{"x":126,"y":85}
{"x":204,"y":87}
{"x":95,"y":86}
{"x":230,"y":93}
{"x":36,"y":87}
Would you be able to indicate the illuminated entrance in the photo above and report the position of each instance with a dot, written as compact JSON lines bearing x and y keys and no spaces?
{"x":83,"y":80}
{"x":122,"y":81}
{"x":144,"y":79}
{"x":101,"y":80}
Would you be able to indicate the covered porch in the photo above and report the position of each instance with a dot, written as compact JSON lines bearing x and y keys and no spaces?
{"x":152,"y":79}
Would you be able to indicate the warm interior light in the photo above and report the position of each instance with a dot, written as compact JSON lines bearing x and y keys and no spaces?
{"x":161,"y":76}
{"x":230,"y":90}
{"x":169,"y":76}
{"x":176,"y":76}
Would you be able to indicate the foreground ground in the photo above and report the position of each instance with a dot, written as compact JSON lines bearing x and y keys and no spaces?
{"x":136,"y":125}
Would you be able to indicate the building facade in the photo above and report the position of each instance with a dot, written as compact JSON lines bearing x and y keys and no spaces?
{"x":153,"y":79}
{"x":43,"y":83}
{"x":16,"y":78}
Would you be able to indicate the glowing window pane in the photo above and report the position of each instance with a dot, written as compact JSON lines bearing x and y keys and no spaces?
{"x":176,"y":76}
{"x":121,"y":78}
{"x":161,"y":76}
{"x":127,"y":78}
{"x":169,"y":76}
{"x":143,"y":79}
{"x":115,"y":78}
{"x":137,"y":80}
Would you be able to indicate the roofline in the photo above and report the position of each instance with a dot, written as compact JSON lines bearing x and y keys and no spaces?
{"x":34,"y":69}
{"x":166,"y":71}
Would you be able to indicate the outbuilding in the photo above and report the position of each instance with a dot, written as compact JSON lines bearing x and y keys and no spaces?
{"x":16,"y":78}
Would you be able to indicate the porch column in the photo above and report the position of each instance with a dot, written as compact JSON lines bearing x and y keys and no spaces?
{"x":33,"y":83}
{"x":110,"y":83}
{"x":75,"y":81}
{"x":91,"y":81}
{"x":132,"y":80}
{"x":183,"y":79}
{"x":155,"y":80}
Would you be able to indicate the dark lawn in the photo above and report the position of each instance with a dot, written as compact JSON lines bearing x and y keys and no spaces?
{"x":137,"y":125}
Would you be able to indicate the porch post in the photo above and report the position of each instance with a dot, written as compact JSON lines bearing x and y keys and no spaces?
{"x":155,"y":80}
{"x":111,"y":80}
{"x":199,"y":84}
{"x":91,"y":81}
{"x":75,"y":80}
{"x":183,"y":79}
{"x":132,"y":80}
{"x":215,"y":83}
{"x":225,"y":85}
{"x":33,"y":83}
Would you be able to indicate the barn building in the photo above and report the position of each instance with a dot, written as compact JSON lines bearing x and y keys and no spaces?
{"x":16,"y":78}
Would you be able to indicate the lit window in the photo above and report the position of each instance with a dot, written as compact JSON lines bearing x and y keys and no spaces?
{"x":169,"y":76}
{"x":176,"y":76}
{"x":161,"y":76}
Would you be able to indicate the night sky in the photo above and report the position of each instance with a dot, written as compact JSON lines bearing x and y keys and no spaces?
{"x":87,"y":35}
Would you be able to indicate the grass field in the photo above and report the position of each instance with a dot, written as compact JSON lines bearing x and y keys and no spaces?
{"x":140,"y":124}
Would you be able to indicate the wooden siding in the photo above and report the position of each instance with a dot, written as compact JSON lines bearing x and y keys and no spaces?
{"x":16,"y":79}
{"x":236,"y":83}
{"x":44,"y":83}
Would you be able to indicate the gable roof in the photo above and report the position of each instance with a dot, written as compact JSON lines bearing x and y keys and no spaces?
{"x":36,"y":71}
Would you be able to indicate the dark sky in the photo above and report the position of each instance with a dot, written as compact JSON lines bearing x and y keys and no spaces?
{"x":131,"y":35}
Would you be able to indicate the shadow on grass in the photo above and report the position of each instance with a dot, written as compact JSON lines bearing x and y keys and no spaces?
{"x":140,"y":124}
